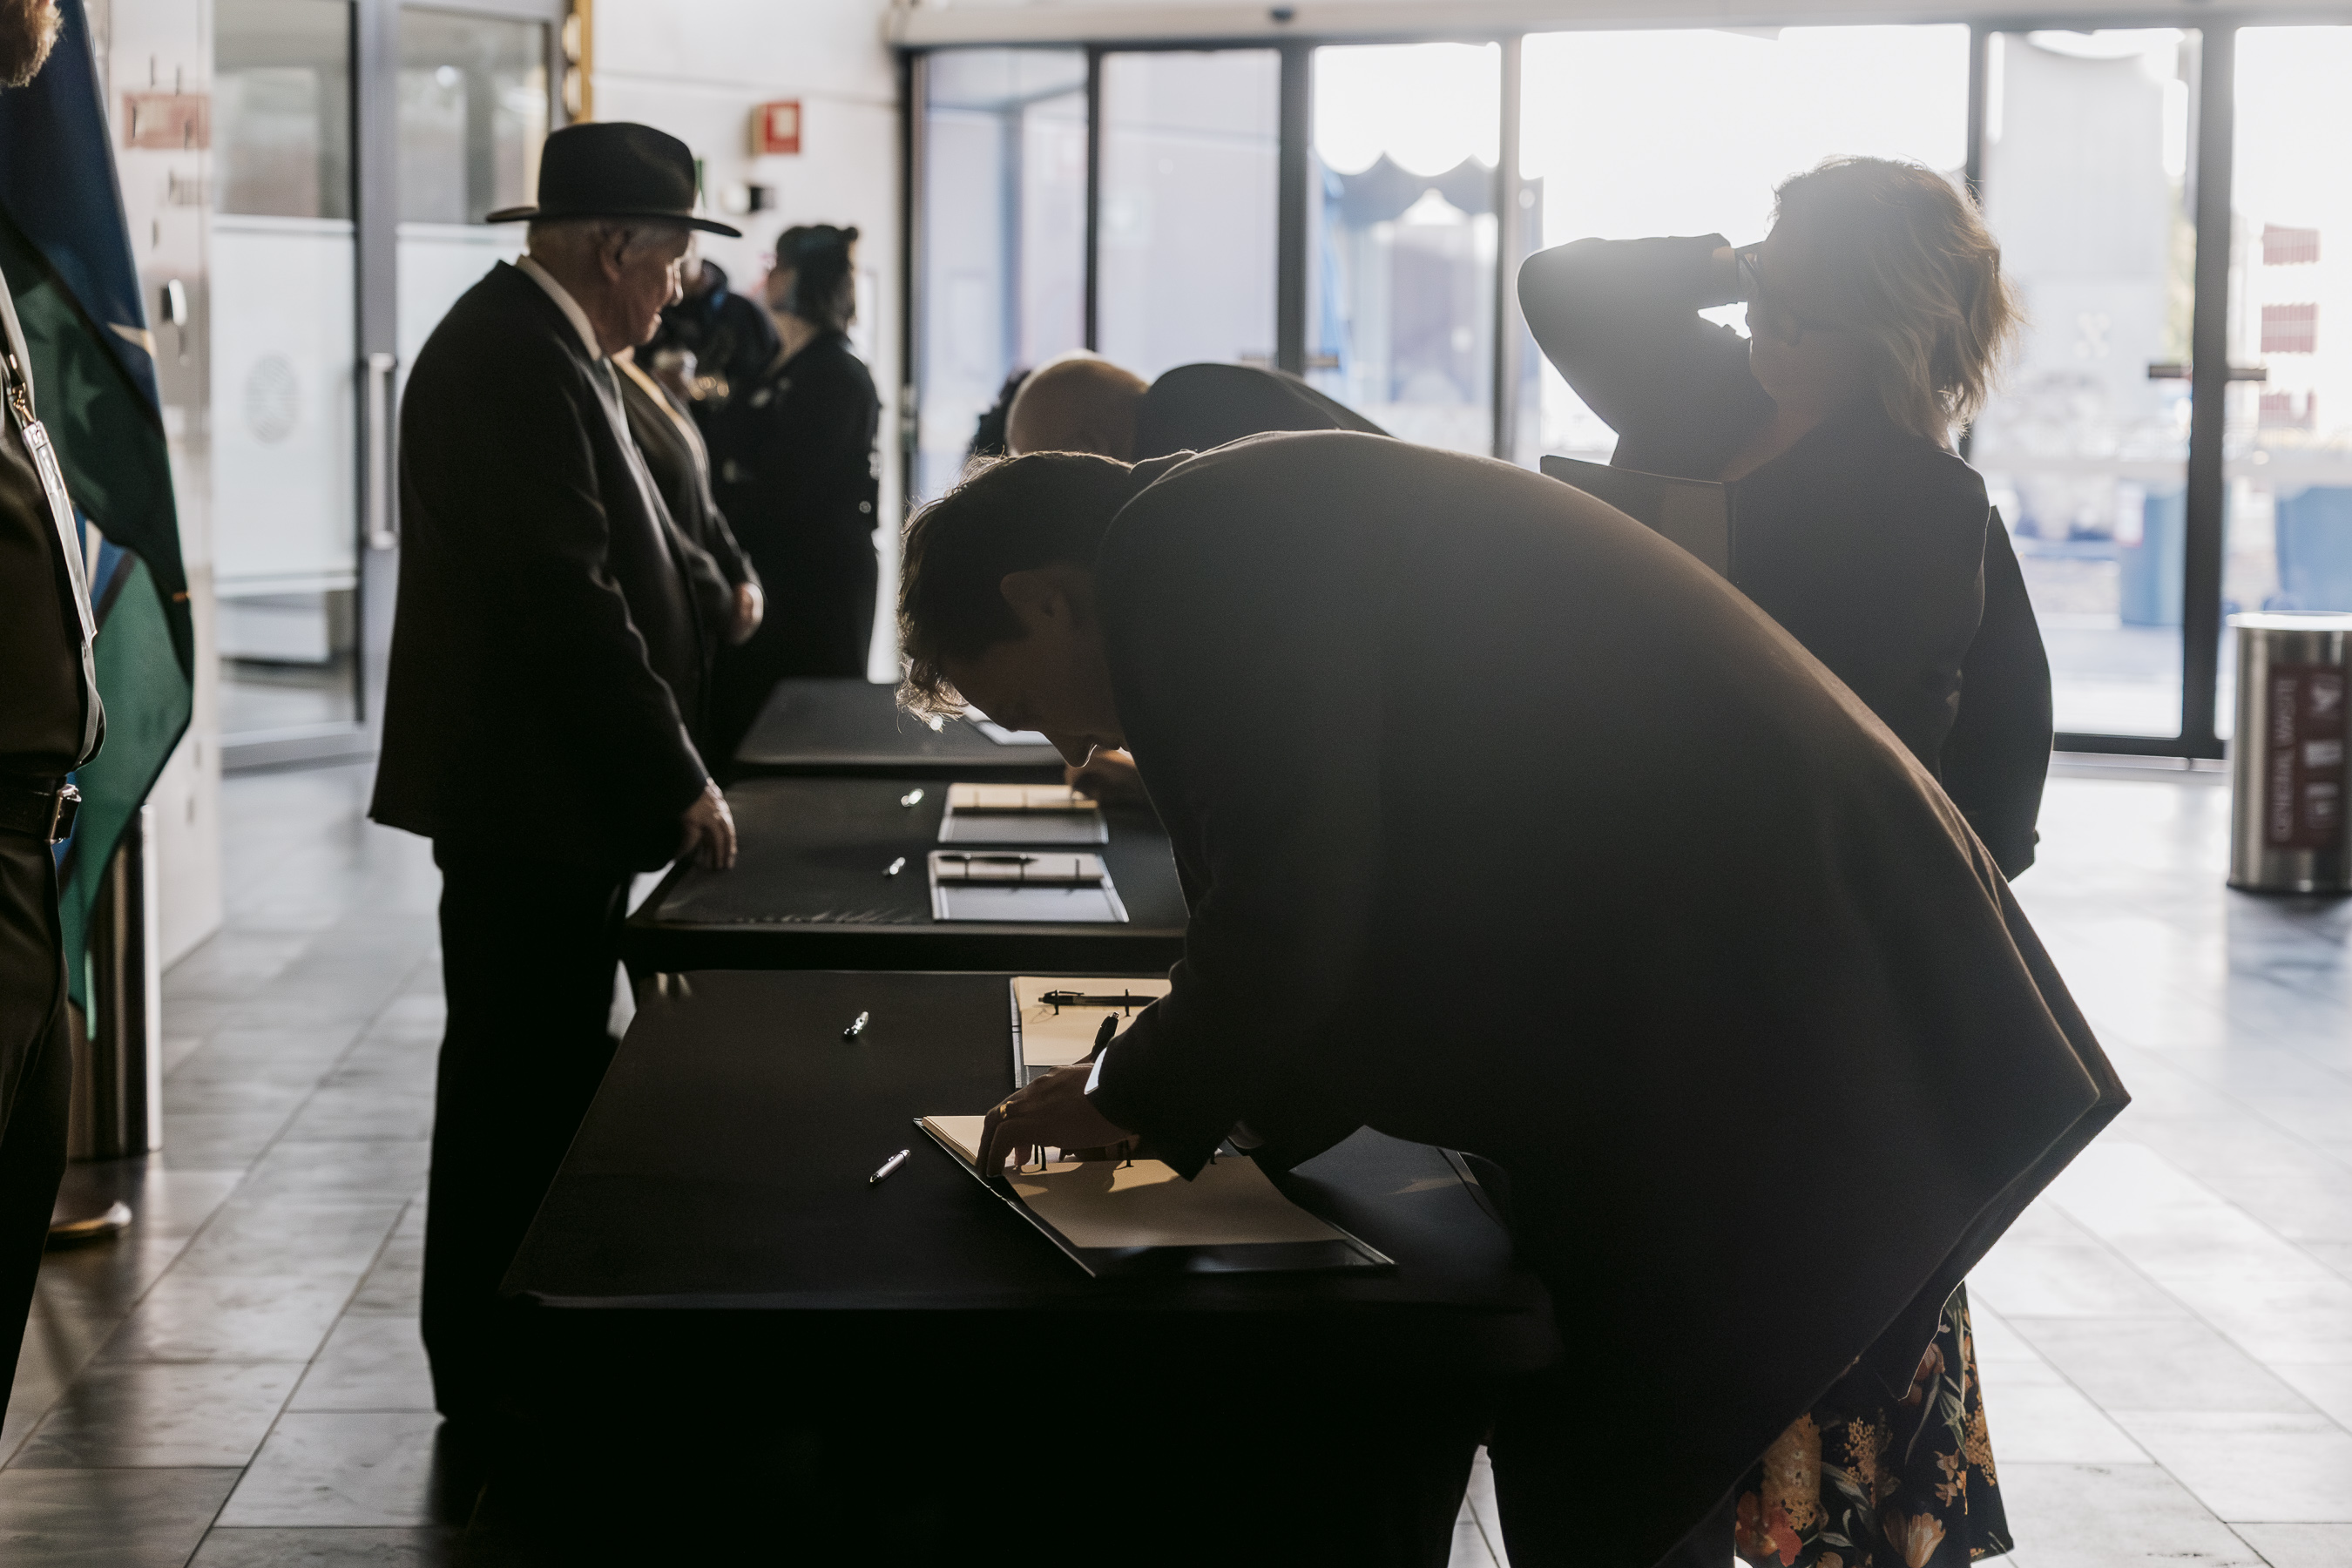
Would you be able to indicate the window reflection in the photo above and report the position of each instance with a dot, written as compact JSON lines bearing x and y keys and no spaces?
{"x":1400,"y":298}
{"x":282,"y":110}
{"x":473,"y":113}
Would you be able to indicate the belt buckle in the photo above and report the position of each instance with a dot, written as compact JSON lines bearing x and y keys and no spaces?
{"x":64,"y":807}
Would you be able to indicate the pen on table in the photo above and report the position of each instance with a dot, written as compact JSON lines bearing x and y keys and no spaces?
{"x":895,"y":867}
{"x":889,"y":1166}
{"x":857,"y":1027}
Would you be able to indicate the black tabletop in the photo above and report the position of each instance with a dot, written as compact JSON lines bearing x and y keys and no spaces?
{"x":809,"y":891}
{"x":722,"y":1174}
{"x":856,"y":727}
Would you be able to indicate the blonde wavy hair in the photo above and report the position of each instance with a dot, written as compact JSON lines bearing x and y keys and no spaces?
{"x":1915,"y":272}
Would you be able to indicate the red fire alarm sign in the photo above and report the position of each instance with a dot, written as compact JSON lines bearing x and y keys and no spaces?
{"x":776,"y":128}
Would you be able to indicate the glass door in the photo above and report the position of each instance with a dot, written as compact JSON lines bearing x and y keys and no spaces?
{"x":2287,"y":451}
{"x":283,"y":326}
{"x":2085,"y":447}
{"x":472,"y":105}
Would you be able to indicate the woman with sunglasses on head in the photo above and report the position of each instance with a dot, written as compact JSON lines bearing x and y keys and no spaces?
{"x":1876,"y":309}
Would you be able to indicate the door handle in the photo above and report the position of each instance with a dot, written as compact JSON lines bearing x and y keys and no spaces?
{"x":382,"y":526}
{"x":2173,"y":370}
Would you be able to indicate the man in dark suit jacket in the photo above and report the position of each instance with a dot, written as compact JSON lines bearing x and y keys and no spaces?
{"x":1506,"y":826}
{"x":547,"y":655}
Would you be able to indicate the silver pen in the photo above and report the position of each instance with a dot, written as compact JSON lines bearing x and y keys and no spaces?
{"x":857,"y":1027}
{"x":889,"y":1166}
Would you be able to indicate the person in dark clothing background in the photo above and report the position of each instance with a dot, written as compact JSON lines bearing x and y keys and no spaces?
{"x":793,"y":467}
{"x":710,"y":341}
{"x":1878,"y":302}
{"x":1876,"y":313}
{"x":990,"y":437}
{"x":51,"y":722}
{"x":729,"y":600}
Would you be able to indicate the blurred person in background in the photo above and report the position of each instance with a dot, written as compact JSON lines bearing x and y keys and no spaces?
{"x":793,"y":467}
{"x":51,"y":722}
{"x":1877,"y":314}
{"x":710,"y":340}
{"x":728,"y":599}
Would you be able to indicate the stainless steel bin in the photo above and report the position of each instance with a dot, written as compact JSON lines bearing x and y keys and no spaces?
{"x":2286,"y":759}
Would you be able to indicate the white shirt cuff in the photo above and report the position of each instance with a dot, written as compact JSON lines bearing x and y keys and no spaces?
{"x":1094,"y":1078}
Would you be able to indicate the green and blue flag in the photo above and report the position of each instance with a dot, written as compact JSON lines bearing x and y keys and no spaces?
{"x":65,"y":250}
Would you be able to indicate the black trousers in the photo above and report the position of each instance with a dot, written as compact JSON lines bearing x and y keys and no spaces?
{"x":35,"y":1076}
{"x":819,"y":621}
{"x":528,"y":954}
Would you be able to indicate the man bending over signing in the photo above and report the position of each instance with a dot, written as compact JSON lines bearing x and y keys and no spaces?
{"x":1506,"y":826}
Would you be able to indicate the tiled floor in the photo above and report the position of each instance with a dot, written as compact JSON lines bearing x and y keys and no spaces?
{"x":2166,"y":1339}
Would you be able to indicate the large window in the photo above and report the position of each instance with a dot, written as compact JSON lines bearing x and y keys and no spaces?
{"x":2289,"y":445}
{"x":1401,"y":287}
{"x":1722,"y":117}
{"x":1004,"y":195}
{"x":1355,"y":213}
{"x":2085,"y":448}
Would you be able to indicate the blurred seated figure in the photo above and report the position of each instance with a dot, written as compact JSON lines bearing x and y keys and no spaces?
{"x":1083,"y":402}
{"x":711,"y":342}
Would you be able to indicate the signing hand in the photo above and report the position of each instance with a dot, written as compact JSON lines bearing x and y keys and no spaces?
{"x":750,"y":607}
{"x":1052,"y":1111}
{"x":710,"y":829}
{"x":1109,"y":776}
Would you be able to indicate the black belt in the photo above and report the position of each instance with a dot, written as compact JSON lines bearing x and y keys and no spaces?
{"x":38,"y":808}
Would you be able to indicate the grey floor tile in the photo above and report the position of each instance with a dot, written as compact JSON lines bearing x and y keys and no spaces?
{"x":2148,"y":1363}
{"x":371,"y":1167}
{"x":395,"y":1285}
{"x":214,"y":1140}
{"x":369,"y":1362}
{"x":1470,"y":1548}
{"x":2277,"y":1320}
{"x":2038,"y":1423}
{"x":2030,"y":1281}
{"x":133,"y":1414}
{"x":370,"y":1108}
{"x":234,"y":1547}
{"x":107,"y":1519}
{"x":321,"y":1467}
{"x":2260,"y":1467}
{"x":2300,"y":1545}
{"x":2113,"y":1515}
{"x":272,"y":1232}
{"x":198,"y":1317}
{"x":2328,"y":1384}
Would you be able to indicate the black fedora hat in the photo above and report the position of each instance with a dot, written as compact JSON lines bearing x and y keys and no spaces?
{"x":610,"y":168}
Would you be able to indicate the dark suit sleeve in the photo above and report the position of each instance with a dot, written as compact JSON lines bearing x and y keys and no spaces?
{"x":534,"y":470}
{"x":1997,"y":757}
{"x":1285,"y":778}
{"x":1619,"y":319}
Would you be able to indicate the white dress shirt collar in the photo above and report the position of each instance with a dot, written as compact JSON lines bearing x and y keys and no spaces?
{"x":565,"y":303}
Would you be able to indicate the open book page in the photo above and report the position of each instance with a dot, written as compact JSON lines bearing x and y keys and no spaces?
{"x":1144,"y":1203}
{"x":1056,"y":1033}
{"x":1018,"y":797}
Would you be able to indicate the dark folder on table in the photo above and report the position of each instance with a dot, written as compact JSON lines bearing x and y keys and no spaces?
{"x":1699,"y":515}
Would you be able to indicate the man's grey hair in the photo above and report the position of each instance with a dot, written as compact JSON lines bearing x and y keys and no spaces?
{"x":549,"y":238}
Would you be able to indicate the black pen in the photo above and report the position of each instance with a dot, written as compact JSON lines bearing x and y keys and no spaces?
{"x":889,"y":1166}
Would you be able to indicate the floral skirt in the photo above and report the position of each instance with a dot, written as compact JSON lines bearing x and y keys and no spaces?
{"x":1858,"y":1482}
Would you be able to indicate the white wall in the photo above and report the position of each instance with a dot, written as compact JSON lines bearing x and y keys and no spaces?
{"x":697,"y":70}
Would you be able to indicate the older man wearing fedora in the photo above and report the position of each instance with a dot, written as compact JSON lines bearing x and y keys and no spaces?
{"x":547,"y":671}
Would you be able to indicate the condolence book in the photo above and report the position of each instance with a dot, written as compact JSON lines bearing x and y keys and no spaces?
{"x":1020,"y":814}
{"x":1699,"y":515}
{"x":1058,"y":1019}
{"x":1138,"y":1217}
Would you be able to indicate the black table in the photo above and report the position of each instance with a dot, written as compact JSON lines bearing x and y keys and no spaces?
{"x":857,"y":727}
{"x":915,"y":1356}
{"x":808,"y":891}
